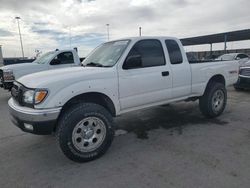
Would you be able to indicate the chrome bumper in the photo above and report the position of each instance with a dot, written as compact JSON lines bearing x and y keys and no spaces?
{"x":32,"y":115}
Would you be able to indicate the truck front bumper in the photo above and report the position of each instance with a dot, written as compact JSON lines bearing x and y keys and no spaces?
{"x":41,"y":122}
{"x":243,"y":82}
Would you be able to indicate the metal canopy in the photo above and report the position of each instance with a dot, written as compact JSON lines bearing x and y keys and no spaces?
{"x":217,"y":38}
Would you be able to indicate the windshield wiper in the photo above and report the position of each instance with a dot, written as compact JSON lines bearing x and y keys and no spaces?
{"x":93,"y":64}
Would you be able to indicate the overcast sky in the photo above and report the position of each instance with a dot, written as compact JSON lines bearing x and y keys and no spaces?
{"x":46,"y":24}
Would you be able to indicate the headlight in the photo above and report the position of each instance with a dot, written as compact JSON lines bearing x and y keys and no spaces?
{"x":28,"y":96}
{"x":34,"y":96}
{"x":8,"y":75}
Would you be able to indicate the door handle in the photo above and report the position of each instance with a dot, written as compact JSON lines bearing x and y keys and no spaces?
{"x":165,"y":73}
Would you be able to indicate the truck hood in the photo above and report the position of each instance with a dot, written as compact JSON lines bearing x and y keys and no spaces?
{"x":19,"y":66}
{"x":63,"y":76}
{"x":20,"y":70}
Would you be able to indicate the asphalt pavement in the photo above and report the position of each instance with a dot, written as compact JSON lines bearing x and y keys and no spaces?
{"x":165,"y":146}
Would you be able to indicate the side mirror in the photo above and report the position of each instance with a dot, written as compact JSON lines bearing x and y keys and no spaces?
{"x":55,"y":62}
{"x":237,"y":58}
{"x":133,"y":62}
{"x":82,"y":59}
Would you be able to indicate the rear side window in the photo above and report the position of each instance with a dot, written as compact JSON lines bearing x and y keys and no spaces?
{"x":150,"y":51}
{"x":66,"y":57}
{"x":174,"y":52}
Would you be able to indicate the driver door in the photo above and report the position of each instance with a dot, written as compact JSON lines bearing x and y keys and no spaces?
{"x":144,"y":78}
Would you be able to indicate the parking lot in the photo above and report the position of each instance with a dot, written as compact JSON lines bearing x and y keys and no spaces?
{"x":167,"y":146}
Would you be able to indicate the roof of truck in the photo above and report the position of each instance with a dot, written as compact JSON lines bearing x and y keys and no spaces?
{"x":146,"y":37}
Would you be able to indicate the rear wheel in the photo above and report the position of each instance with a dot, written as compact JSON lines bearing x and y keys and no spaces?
{"x":85,"y":132}
{"x":214,"y":100}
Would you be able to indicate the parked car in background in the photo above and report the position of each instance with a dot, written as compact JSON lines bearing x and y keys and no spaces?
{"x":240,"y":57}
{"x":244,"y":71}
{"x":50,"y":60}
{"x":244,"y":77}
{"x":245,"y":63}
{"x":117,"y":77}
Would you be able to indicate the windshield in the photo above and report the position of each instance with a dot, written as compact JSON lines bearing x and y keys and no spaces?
{"x":44,"y":58}
{"x":107,"y":54}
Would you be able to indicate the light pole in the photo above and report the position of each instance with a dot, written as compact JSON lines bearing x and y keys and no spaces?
{"x":107,"y":31}
{"x":70,"y":36}
{"x":140,"y":31}
{"x":18,"y":18}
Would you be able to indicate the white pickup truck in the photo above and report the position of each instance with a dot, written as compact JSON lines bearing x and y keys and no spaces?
{"x":79,"y":104}
{"x":50,"y":60}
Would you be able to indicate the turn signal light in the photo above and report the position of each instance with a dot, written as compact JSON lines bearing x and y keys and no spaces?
{"x":40,"y":96}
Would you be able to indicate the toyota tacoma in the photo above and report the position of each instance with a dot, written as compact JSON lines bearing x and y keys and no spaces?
{"x":78,"y":104}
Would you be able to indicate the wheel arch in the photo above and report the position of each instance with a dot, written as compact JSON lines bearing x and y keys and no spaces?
{"x":92,"y":97}
{"x":218,"y":78}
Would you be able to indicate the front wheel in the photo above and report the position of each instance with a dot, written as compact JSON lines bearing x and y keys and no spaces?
{"x":85,"y":132}
{"x":213,"y":102}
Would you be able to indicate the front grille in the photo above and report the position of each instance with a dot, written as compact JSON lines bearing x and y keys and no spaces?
{"x":17,"y":93}
{"x":245,"y":72}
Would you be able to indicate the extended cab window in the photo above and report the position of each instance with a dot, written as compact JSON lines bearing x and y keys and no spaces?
{"x":63,"y":58}
{"x":145,"y":53}
{"x":174,"y":52}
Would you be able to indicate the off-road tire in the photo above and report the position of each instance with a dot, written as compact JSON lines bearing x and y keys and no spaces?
{"x":206,"y":101}
{"x":68,"y":122}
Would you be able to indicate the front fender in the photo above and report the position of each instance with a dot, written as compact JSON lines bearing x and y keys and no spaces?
{"x":59,"y":97}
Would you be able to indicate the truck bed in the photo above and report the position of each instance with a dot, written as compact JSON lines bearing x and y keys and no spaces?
{"x":203,"y":70}
{"x":205,"y":61}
